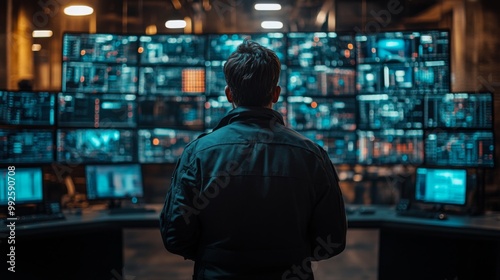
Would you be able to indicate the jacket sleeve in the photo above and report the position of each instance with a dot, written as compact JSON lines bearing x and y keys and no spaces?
{"x":179,"y":224}
{"x":328,"y":225}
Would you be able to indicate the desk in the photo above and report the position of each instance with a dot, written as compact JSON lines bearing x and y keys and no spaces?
{"x":461,"y":247}
{"x":90,"y":246}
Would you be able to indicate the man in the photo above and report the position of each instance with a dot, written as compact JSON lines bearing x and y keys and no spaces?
{"x":253,"y":199}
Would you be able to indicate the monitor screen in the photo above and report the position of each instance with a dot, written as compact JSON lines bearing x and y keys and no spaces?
{"x":220,"y":46}
{"x":391,"y":146}
{"x":309,"y":49}
{"x":91,"y":77}
{"x":321,"y":64}
{"x":100,"y":48}
{"x":163,"y":145}
{"x":460,"y":148}
{"x":28,"y":187}
{"x":321,"y":81}
{"x":384,"y":111}
{"x":181,"y":112}
{"x":95,"y":145}
{"x":97,"y":110}
{"x":441,"y":186}
{"x":180,"y":49}
{"x":459,"y":110}
{"x":321,"y":114}
{"x":404,"y":62}
{"x":172,"y":80}
{"x":26,"y":146}
{"x":341,"y":146}
{"x":403,"y":46}
{"x":27,"y":108}
{"x":114,"y":181}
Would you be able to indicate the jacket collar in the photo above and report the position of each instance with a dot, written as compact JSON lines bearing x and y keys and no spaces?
{"x":243,"y":113}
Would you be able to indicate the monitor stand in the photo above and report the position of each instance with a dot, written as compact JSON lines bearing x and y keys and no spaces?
{"x":115,"y":207}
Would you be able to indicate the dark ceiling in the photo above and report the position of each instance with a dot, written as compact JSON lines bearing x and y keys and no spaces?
{"x":215,"y":16}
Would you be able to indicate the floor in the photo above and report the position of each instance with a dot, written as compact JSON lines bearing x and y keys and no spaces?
{"x":146,"y":258}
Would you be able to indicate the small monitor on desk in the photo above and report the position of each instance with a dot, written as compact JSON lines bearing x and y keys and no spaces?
{"x":441,"y":186}
{"x":21,"y":186}
{"x":116,"y":181}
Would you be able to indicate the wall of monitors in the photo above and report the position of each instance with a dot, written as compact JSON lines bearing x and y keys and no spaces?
{"x":369,"y":99}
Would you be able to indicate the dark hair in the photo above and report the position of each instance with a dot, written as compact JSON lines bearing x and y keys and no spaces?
{"x":252,"y":73}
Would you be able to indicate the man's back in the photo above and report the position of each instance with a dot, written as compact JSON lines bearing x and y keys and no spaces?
{"x":260,"y":184}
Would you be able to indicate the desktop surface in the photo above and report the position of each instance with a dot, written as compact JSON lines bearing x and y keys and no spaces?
{"x":487,"y":225}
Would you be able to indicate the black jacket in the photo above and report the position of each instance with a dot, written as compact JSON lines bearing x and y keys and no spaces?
{"x":254,"y":199}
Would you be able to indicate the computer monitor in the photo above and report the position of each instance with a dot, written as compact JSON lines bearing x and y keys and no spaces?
{"x":175,"y":49}
{"x":402,"y":62}
{"x":27,"y":108}
{"x":460,"y":148}
{"x":307,"y":113}
{"x":341,"y":146}
{"x":385,"y":111}
{"x":459,"y":110}
{"x":441,"y":186}
{"x":331,"y":49}
{"x":172,"y":80}
{"x":403,"y":46}
{"x":321,"y":64}
{"x":110,"y":48}
{"x":28,"y":186}
{"x":220,"y":46}
{"x":94,"y":77}
{"x":90,"y":145}
{"x":23,"y":146}
{"x":116,"y":181}
{"x":390,"y":146}
{"x":180,"y":112}
{"x":321,"y":81}
{"x":96,"y":110}
{"x":161,"y":145}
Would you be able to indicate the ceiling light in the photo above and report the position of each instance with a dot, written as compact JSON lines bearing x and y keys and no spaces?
{"x":78,"y":10}
{"x":151,"y":29}
{"x":36,"y":47}
{"x":178,"y":23}
{"x":267,"y":7}
{"x":271,"y":24}
{"x":41,"y":33}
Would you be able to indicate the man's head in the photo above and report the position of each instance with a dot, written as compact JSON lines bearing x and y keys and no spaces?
{"x":252,"y":73}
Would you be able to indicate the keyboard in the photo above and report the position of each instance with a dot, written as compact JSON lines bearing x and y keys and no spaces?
{"x":423,"y":214}
{"x":36,"y":218}
{"x":130,"y":210}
